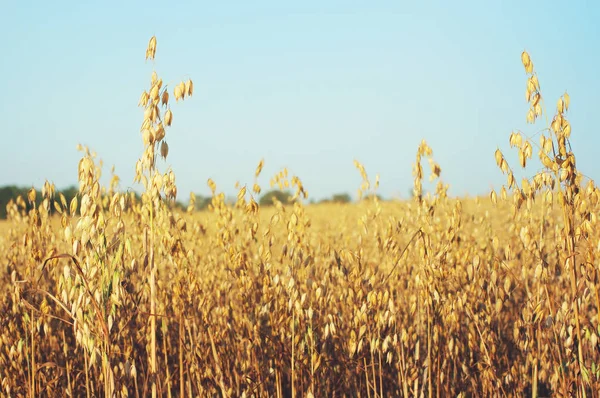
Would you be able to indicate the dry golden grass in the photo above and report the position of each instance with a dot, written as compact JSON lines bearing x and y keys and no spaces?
{"x":431,"y":297}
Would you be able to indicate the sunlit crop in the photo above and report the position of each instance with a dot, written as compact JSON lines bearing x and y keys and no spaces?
{"x":434,"y":296}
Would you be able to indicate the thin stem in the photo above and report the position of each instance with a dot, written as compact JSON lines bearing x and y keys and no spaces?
{"x":293,"y":337}
{"x":166,"y":333}
{"x":32,"y":355}
{"x":181,"y":377}
{"x":87,"y":374}
{"x":380,"y":374}
{"x":373,"y":372}
{"x":367,"y":377}
{"x":429,"y":352}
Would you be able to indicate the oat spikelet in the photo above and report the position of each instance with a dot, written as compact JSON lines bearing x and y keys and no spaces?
{"x":151,"y":50}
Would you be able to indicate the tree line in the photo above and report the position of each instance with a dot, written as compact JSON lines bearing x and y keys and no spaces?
{"x":11,"y":192}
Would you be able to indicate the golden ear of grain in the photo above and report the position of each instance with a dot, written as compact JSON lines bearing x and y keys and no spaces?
{"x":165,"y":98}
{"x":536,"y":99}
{"x":259,"y":167}
{"x":189,"y":87}
{"x":31,"y":195}
{"x":527,"y":62}
{"x":151,"y":50}
{"x":536,"y":83}
{"x":164,"y":150}
{"x":522,"y":160}
{"x":241,"y":193}
{"x":154,"y":93}
{"x":510,"y":180}
{"x":567,"y":129}
{"x":527,"y":149}
{"x":182,"y":90}
{"x":143,"y":99}
{"x":177,"y":93}
{"x":146,"y":137}
{"x":73,"y":206}
{"x":148,"y":115}
{"x":499,"y":157}
{"x":560,"y":105}
{"x":159,"y":132}
{"x":212,"y":185}
{"x":154,"y":113}
{"x":546,"y":161}
{"x":146,"y":124}
{"x":168,"y":117}
{"x":493,"y":197}
{"x":525,"y":58}
{"x":530,"y":116}
{"x":530,"y":87}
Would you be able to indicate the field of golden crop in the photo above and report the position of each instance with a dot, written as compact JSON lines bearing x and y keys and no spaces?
{"x":436,"y":296}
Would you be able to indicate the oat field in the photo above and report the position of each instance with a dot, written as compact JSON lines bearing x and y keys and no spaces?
{"x":429,"y":297}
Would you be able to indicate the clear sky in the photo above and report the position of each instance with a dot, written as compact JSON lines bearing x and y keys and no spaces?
{"x":308,"y":85}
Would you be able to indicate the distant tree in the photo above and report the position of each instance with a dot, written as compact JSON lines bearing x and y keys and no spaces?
{"x":177,"y":205}
{"x":11,"y":192}
{"x":267,"y":198}
{"x":341,"y":198}
{"x":370,"y":197}
{"x":202,"y":202}
{"x":6,"y":194}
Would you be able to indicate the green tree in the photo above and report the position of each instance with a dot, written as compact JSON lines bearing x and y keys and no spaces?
{"x":11,"y":192}
{"x":341,"y":198}
{"x":371,"y":196}
{"x":267,"y":198}
{"x":202,"y":202}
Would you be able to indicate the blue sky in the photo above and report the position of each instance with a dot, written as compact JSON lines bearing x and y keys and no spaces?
{"x":308,"y":85}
